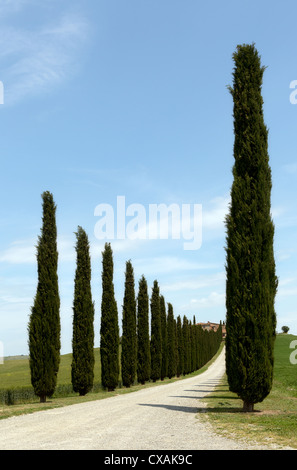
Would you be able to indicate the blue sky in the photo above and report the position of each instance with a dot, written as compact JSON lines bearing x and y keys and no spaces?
{"x":108,"y":98}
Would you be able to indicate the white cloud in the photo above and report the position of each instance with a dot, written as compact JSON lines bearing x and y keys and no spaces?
{"x":200,"y":282}
{"x":35,"y":61}
{"x":24,"y":251}
{"x":213,"y":299}
{"x":290,"y":168}
{"x":19,"y":252}
{"x":168,"y":264}
{"x":11,"y":6}
{"x":214,"y":215}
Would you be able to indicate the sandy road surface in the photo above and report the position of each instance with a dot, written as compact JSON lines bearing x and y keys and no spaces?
{"x":158,"y":418}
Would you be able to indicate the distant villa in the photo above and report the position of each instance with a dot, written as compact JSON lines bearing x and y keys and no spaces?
{"x":213,"y":326}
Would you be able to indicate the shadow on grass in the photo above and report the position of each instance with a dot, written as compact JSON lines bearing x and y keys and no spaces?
{"x":225,"y":409}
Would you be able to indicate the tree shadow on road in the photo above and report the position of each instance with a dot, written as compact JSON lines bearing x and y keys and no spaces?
{"x":184,"y":409}
{"x":194,"y":409}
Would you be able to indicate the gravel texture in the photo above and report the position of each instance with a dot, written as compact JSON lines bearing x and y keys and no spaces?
{"x":163,"y":417}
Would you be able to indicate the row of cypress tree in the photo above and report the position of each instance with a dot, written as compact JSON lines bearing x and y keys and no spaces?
{"x":166,"y":348}
{"x":251,"y":284}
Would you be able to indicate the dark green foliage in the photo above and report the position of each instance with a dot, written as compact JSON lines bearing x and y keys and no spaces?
{"x":44,"y":324}
{"x":195,"y":352}
{"x":171,"y":328}
{"x":143,"y":336}
{"x":190,"y":346}
{"x":129,"y":338}
{"x":193,"y":347}
{"x":251,"y":280}
{"x":109,"y":330}
{"x":156,"y":336}
{"x":163,"y":315}
{"x":82,"y":367}
{"x":187,"y":345}
{"x":180,"y":347}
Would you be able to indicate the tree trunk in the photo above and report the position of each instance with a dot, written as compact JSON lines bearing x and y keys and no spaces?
{"x":42,"y":398}
{"x":247,"y":406}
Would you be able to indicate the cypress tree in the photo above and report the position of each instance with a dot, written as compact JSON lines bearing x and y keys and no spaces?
{"x":129,"y":338}
{"x":44,"y":324}
{"x":109,"y":329}
{"x":143,"y":335}
{"x":190,"y":346}
{"x":171,"y":343}
{"x":200,"y":346}
{"x":163,"y":315}
{"x":185,"y":330}
{"x":250,"y":268}
{"x":180,"y":347}
{"x":82,"y":367}
{"x":195,"y":346}
{"x":156,"y":336}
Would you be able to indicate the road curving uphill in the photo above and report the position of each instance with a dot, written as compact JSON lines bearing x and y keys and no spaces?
{"x":158,"y":418}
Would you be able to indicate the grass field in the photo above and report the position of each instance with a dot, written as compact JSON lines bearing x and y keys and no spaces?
{"x":15,"y":371}
{"x":275,"y":419}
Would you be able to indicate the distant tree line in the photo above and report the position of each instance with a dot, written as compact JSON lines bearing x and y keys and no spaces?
{"x":154,"y":344}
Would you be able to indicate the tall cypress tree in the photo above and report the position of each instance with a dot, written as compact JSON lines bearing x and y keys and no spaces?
{"x":171,"y":343}
{"x":143,"y":334}
{"x":82,"y":367}
{"x":190,"y":346}
{"x":129,"y":338}
{"x":180,"y":347}
{"x":251,"y":280}
{"x":163,"y":315}
{"x":44,"y":324}
{"x":109,"y":329}
{"x":156,"y":336}
{"x":185,"y":330}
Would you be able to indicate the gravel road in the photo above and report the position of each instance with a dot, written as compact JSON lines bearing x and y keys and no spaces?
{"x":159,"y":418}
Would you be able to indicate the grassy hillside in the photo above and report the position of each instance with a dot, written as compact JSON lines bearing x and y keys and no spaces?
{"x":15,"y":371}
{"x":275,"y":419}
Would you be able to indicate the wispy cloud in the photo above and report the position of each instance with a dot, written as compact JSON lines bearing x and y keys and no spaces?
{"x":213,"y":299}
{"x":11,"y":6}
{"x":290,"y":168}
{"x":24,"y":251}
{"x":214,"y":214}
{"x":19,"y":252}
{"x":34,"y":61}
{"x":197,"y":282}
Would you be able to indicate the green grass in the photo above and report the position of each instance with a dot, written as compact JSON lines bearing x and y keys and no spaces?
{"x":274,"y":420}
{"x":15,"y":371}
